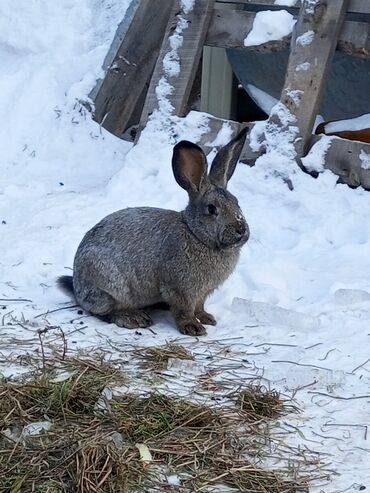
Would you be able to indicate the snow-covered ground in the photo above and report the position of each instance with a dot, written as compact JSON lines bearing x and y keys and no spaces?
{"x":305,"y":272}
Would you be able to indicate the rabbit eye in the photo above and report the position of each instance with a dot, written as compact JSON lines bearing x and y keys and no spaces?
{"x":212,"y":210}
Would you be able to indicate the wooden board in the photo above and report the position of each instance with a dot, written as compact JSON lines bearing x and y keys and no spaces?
{"x":304,"y":84}
{"x":189,"y":53}
{"x":343,"y":159}
{"x":354,"y":6}
{"x":354,"y":38}
{"x":228,"y":28}
{"x":248,"y":156}
{"x":215,"y":125}
{"x":130,"y":63}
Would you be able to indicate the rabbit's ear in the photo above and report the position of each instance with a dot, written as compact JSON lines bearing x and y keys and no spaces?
{"x":223,"y":165}
{"x":189,"y":165}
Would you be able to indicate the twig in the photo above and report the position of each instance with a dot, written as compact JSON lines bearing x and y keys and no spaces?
{"x":340,"y":397}
{"x":360,"y":366}
{"x":15,"y":299}
{"x":327,"y":354}
{"x":314,"y":345}
{"x":275,"y":344}
{"x":302,"y":387}
{"x":302,"y":364}
{"x":39,"y":333}
{"x":347,"y":426}
{"x":56,"y":310}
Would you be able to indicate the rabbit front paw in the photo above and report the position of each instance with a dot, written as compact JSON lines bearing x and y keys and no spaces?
{"x":206,"y":318}
{"x":192,"y":328}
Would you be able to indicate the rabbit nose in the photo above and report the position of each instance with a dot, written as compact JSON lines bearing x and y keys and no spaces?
{"x":240,"y":229}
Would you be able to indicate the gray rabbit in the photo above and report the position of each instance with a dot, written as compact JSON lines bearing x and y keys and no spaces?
{"x":139,"y":257}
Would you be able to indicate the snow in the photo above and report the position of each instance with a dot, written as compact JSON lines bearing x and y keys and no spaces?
{"x":315,"y":159}
{"x":305,"y":39}
{"x":310,"y":6}
{"x":268,"y":26}
{"x":365,"y":159}
{"x":266,"y":102}
{"x":295,"y":96}
{"x":171,"y":60}
{"x":303,"y":67}
{"x":286,"y":3}
{"x":187,"y":5}
{"x":358,"y":123}
{"x":297,"y":307}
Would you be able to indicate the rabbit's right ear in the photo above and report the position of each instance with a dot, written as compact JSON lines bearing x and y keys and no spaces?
{"x":189,"y":165}
{"x":226,"y":159}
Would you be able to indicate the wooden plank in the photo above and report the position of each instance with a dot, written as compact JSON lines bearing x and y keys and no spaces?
{"x":228,"y":29}
{"x":304,"y":84}
{"x":257,"y":3}
{"x":130,"y":63}
{"x":354,"y":39}
{"x":215,"y":125}
{"x":346,"y":158}
{"x":354,"y":6}
{"x":195,"y":25}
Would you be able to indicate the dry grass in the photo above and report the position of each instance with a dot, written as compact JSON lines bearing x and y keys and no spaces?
{"x":258,"y":403}
{"x":44,"y":396}
{"x":92,"y":449}
{"x":157,"y":357}
{"x":141,"y":419}
{"x":72,"y":459}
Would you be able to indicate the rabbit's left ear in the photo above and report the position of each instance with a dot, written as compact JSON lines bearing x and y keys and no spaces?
{"x":189,"y":166}
{"x":224,"y":163}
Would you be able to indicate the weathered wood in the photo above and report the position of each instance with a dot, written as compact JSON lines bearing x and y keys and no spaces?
{"x":129,"y":68}
{"x":304,"y":82}
{"x":354,"y":39}
{"x":347,"y":159}
{"x":193,"y":25}
{"x":259,"y":3}
{"x":229,"y":28}
{"x":354,"y":6}
{"x":209,"y":139}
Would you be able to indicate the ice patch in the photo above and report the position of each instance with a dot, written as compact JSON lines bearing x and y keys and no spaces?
{"x":264,"y":100}
{"x":265,"y":313}
{"x":351,"y":296}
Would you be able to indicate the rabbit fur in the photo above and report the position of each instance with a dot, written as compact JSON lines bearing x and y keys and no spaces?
{"x":138,"y":257}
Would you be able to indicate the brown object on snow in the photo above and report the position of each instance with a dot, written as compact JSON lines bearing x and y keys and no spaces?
{"x":362,"y":135}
